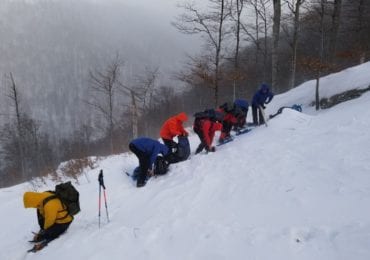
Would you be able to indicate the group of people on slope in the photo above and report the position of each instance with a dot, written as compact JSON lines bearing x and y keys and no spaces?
{"x":53,"y":216}
{"x":225,"y":118}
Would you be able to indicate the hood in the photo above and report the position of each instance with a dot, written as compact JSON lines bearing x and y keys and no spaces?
{"x":32,"y":199}
{"x":264,"y":87}
{"x":182,"y":117}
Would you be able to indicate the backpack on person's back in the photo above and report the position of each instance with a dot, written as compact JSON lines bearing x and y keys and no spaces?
{"x":68,"y":195}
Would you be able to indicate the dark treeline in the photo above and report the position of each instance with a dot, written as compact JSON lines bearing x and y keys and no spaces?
{"x":108,"y":101}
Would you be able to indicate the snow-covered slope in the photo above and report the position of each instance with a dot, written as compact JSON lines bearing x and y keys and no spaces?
{"x":297,"y":189}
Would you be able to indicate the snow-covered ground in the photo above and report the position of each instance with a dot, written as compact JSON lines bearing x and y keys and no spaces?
{"x":297,"y":189}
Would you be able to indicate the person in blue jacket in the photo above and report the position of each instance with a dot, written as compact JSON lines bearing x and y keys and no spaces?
{"x":146,"y":150}
{"x":241,"y":111}
{"x":261,"y":97}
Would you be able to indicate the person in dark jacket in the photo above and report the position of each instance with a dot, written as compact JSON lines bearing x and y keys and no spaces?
{"x":146,"y":150}
{"x":205,"y":128}
{"x":228,"y":120}
{"x":241,"y":111}
{"x":261,"y":97}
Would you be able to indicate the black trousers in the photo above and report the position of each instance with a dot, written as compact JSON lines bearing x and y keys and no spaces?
{"x":202,"y":144}
{"x":257,"y":120}
{"x":52,"y":232}
{"x":226,"y":128}
{"x":143,"y":162}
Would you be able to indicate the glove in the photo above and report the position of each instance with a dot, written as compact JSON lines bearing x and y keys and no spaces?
{"x":38,"y":247}
{"x":38,"y":236}
{"x":150,"y":172}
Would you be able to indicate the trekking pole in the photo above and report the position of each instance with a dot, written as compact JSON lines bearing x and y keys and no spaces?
{"x":263,"y":115}
{"x":101,"y":184}
{"x":99,"y":197}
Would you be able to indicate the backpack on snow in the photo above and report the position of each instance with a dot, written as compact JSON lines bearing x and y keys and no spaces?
{"x":183,"y":148}
{"x":160,"y":166}
{"x":68,"y":195}
{"x":182,"y":151}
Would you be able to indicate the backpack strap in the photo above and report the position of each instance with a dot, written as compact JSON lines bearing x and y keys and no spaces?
{"x":51,"y":197}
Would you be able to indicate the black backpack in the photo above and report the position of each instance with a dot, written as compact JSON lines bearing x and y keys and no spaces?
{"x":160,"y":166}
{"x":183,"y":148}
{"x":68,"y":195}
{"x":208,"y":113}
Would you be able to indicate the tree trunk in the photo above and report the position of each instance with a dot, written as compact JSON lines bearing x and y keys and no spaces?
{"x":317,"y":91}
{"x":361,"y":30}
{"x":334,"y":29}
{"x":218,"y":50}
{"x":275,"y":45}
{"x":134,"y":116}
{"x":19,"y":126}
{"x":295,"y":41}
{"x":257,"y":33}
{"x":321,"y":52}
{"x":239,"y":8}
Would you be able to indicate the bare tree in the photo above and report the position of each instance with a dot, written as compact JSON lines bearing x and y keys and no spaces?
{"x":294,"y":6}
{"x":25,"y":149}
{"x":318,"y":65}
{"x":253,"y":31}
{"x":336,"y":15}
{"x":211,"y":26}
{"x":141,"y":96}
{"x":239,"y":5}
{"x":275,"y":45}
{"x":14,"y":96}
{"x":104,"y":87}
{"x":146,"y":90}
{"x":362,"y":29}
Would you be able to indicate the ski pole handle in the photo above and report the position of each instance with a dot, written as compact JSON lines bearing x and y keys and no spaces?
{"x":101,"y":180}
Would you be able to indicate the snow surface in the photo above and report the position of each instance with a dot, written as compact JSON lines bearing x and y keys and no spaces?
{"x":297,"y":189}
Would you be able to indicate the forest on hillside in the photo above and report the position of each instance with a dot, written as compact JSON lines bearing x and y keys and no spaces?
{"x":78,"y":78}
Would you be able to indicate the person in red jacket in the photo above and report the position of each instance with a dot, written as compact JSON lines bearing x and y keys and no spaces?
{"x":205,"y":127}
{"x":173,"y":127}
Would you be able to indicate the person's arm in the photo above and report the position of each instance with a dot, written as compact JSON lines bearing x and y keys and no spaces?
{"x":206,"y":129}
{"x":50,"y":213}
{"x":269,"y":97}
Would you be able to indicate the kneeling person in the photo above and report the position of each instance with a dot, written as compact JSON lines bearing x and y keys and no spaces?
{"x":147,"y":151}
{"x":52,"y":215}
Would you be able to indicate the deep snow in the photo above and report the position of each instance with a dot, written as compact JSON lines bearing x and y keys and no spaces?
{"x":297,"y":189}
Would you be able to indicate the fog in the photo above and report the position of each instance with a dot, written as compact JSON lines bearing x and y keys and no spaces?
{"x":51,"y":45}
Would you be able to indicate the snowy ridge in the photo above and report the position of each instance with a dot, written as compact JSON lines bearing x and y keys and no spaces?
{"x":297,"y":189}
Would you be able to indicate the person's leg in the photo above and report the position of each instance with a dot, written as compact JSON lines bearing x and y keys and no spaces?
{"x":143,"y":165}
{"x":201,"y":146}
{"x":201,"y":138}
{"x":54,"y":231}
{"x":254,"y":115}
{"x":260,"y":116}
{"x":225,"y":132}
